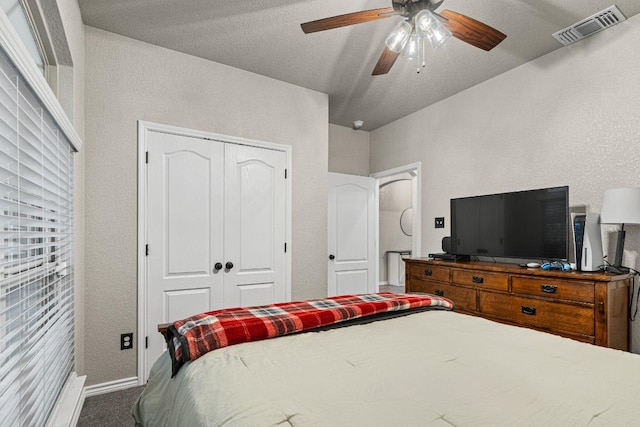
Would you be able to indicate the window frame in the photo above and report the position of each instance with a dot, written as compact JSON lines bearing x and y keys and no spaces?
{"x":68,"y":404}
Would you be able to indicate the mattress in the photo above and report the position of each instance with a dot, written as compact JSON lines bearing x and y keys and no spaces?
{"x":434,"y":368}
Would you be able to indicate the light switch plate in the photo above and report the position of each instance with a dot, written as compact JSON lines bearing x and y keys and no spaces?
{"x":439,"y":222}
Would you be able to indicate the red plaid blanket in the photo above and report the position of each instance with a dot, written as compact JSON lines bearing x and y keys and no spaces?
{"x":192,"y":337}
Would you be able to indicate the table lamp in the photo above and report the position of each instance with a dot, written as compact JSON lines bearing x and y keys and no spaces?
{"x":620,"y":206}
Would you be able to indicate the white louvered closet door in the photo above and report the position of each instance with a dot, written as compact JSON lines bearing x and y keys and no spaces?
{"x":36,"y":229}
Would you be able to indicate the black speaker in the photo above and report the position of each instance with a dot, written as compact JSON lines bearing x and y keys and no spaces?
{"x":446,"y":244}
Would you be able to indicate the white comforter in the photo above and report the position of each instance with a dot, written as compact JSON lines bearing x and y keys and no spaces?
{"x":434,"y":368}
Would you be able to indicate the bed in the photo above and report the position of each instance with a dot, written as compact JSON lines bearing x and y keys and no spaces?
{"x":429,"y":368}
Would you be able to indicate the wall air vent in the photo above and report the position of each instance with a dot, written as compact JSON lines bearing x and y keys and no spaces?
{"x":598,"y":22}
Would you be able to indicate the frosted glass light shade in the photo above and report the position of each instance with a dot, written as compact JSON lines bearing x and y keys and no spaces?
{"x":621,"y":206}
{"x":412,"y":47}
{"x":439,"y":36}
{"x":397,"y":38}
{"x":430,"y":27}
{"x":424,"y":21}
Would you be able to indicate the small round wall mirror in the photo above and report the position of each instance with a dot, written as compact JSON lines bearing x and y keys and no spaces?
{"x":406,"y":221}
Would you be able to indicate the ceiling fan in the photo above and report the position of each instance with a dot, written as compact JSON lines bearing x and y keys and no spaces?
{"x":421,"y":23}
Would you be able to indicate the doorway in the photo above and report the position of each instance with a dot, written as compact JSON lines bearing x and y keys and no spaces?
{"x":398,"y":226}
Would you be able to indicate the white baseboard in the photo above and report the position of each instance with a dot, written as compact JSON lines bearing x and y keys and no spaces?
{"x":108,"y":387}
{"x":67,"y":410}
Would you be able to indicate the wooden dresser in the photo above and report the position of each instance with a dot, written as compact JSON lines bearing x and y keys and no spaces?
{"x":589,"y":307}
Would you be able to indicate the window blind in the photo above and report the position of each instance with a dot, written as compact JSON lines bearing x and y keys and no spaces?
{"x":36,"y":259}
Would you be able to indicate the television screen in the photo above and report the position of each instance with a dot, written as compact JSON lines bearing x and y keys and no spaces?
{"x":525,"y":224}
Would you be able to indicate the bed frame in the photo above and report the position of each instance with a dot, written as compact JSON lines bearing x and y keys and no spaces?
{"x":162,"y":328}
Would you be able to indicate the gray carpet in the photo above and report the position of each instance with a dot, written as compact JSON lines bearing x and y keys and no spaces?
{"x":110,"y":409}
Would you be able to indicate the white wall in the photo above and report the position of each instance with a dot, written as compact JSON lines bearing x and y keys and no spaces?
{"x":70,"y":91}
{"x":393,"y":199}
{"x":348,"y":150}
{"x":567,"y":118}
{"x":126,"y":81}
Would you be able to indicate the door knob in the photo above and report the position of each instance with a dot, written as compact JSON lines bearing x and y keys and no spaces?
{"x":218,"y":266}
{"x":228,"y":265}
{"x":332,"y":257}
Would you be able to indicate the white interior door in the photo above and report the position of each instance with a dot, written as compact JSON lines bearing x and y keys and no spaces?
{"x":254,"y":225}
{"x":351,"y":229}
{"x":216,"y":229}
{"x":185,"y":226}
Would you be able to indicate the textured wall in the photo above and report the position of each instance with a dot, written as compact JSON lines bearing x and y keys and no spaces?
{"x":126,"y":81}
{"x":567,"y":118}
{"x":393,"y":199}
{"x":71,"y":90}
{"x":348,"y":150}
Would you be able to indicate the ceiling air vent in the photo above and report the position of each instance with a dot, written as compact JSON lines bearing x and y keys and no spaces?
{"x":598,"y":22}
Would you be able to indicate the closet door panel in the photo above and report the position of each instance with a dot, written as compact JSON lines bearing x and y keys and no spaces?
{"x":184,"y":230}
{"x":255,"y":191}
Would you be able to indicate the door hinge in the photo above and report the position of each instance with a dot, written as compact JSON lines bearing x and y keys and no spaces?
{"x":146,"y":342}
{"x":146,"y":250}
{"x":285,"y":248}
{"x":146,"y":157}
{"x":285,"y":174}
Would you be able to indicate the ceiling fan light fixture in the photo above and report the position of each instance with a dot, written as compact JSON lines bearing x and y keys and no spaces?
{"x":412,"y":47}
{"x":397,"y":38}
{"x":424,"y":21}
{"x":439,"y":36}
{"x":430,"y":27}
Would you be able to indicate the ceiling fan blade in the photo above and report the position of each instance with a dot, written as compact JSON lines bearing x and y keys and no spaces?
{"x":345,"y":20}
{"x":386,"y":61}
{"x":471,"y":31}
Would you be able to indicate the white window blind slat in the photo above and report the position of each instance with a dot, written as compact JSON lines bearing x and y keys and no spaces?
{"x":8,"y":107}
{"x":36,"y":255}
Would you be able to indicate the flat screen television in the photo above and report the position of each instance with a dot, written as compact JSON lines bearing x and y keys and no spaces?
{"x":531,"y":224}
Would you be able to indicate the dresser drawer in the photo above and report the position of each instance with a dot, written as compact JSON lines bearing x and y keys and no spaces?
{"x":463,"y":298}
{"x":538,"y":313}
{"x":481,"y":279}
{"x":428,"y":272}
{"x":553,"y":288}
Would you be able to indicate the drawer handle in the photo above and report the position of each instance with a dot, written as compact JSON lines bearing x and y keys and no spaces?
{"x":477,"y":279}
{"x":529,"y":311}
{"x":549,"y":289}
{"x":439,"y":292}
{"x":427,"y":272}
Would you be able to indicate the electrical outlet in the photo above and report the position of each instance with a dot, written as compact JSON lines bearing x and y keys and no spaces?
{"x":126,"y":341}
{"x":439,"y":222}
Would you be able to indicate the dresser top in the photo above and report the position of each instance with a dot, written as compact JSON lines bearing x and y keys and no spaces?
{"x":516,"y":269}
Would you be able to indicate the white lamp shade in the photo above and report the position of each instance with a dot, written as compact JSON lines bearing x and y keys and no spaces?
{"x":621,"y":206}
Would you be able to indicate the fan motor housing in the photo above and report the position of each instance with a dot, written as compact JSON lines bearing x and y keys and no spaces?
{"x":411,"y":7}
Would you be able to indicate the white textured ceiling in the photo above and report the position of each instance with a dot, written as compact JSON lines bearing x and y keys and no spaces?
{"x":264,"y":37}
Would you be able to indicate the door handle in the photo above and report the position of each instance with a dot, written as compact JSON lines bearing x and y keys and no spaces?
{"x":217,"y":266}
{"x":228,"y":265}
{"x":332,"y":257}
